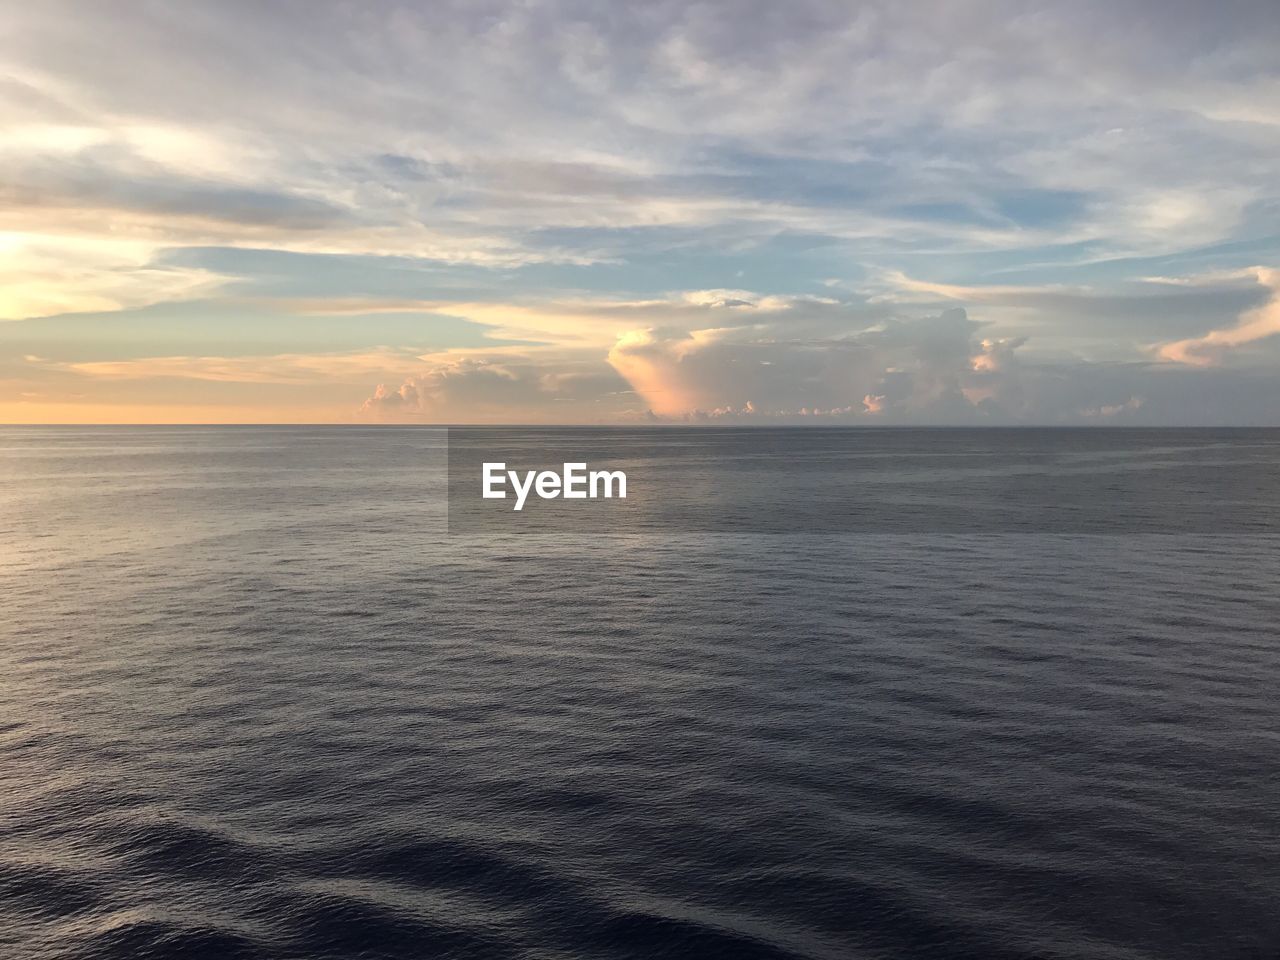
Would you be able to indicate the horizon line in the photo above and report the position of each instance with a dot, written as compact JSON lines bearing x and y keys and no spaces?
{"x":662,"y":426}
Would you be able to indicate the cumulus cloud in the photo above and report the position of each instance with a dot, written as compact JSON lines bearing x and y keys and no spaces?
{"x":1112,"y":410}
{"x":806,"y":360}
{"x":904,"y":367}
{"x":996,"y":356}
{"x":404,"y":399}
{"x":511,"y":391}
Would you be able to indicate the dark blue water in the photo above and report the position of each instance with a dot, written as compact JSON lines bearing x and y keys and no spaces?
{"x":254,"y":702}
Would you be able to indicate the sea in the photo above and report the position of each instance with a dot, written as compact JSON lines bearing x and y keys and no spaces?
{"x":853,"y":694}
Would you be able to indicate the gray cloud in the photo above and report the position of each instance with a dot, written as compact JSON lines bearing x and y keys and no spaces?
{"x":115,"y":182}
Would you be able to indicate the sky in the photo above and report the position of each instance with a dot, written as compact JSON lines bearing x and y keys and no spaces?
{"x":604,"y":212}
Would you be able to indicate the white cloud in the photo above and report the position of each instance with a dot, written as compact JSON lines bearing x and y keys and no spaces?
{"x":42,"y":275}
{"x":1254,"y":325}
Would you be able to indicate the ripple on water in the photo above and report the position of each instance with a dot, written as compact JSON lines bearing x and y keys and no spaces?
{"x":250,"y":729}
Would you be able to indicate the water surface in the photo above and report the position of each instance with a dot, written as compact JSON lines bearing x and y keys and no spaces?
{"x":255,"y":702}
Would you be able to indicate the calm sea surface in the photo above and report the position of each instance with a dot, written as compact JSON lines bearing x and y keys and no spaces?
{"x":255,"y":701}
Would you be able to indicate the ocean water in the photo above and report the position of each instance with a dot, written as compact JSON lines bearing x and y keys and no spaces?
{"x":256,"y":701}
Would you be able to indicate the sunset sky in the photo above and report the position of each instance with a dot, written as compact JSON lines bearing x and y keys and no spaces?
{"x":737,"y":212}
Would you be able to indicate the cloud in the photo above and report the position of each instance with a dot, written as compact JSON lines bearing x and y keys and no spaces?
{"x":1213,"y":347}
{"x":510,"y":391}
{"x":1113,"y":410}
{"x":1117,"y":320}
{"x":466,"y":132}
{"x":404,"y":399}
{"x":935,"y":368}
{"x":806,"y":362}
{"x":727,"y":210}
{"x":297,"y":368}
{"x":119,"y":184}
{"x":46,"y":275}
{"x":902,"y":366}
{"x":996,"y":356}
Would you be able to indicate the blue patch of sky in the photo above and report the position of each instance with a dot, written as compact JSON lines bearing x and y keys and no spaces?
{"x":645,"y":262}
